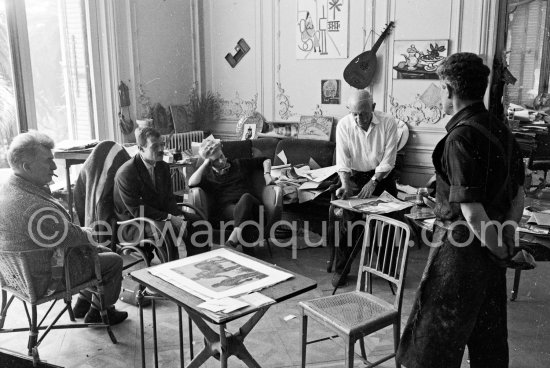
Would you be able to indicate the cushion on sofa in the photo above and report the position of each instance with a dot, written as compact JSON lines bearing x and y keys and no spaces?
{"x":237,"y":149}
{"x":299,"y":151}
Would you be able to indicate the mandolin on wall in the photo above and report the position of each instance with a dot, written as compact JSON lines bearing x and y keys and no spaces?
{"x":360,"y":71}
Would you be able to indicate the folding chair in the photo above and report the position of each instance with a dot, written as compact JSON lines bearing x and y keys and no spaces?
{"x":354,"y":315}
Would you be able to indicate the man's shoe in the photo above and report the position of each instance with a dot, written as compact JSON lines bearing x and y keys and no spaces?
{"x":81,"y":307}
{"x":115,"y":317}
{"x":339,"y":280}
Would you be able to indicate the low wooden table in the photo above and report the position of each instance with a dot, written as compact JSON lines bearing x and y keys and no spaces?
{"x":221,"y":344}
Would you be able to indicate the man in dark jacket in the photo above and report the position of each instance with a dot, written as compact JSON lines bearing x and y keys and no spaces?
{"x":143,"y":188}
{"x":479,"y":171}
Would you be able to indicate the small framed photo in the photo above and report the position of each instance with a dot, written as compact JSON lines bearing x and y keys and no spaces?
{"x":330,"y":91}
{"x":249,"y":132}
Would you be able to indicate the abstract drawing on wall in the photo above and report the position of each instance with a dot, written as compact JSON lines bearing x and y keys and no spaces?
{"x":315,"y":127}
{"x":418,"y":59}
{"x":322,"y":29}
{"x":330,"y":91}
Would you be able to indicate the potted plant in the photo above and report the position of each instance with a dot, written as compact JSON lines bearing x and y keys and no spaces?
{"x":203,"y":110}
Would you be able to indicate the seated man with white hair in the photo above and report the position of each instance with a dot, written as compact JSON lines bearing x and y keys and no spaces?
{"x":31,"y":219}
{"x":228,"y":182}
{"x":366,"y":149}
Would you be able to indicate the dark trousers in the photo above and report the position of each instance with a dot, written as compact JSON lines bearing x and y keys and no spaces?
{"x":111,"y":274}
{"x":461,"y":301}
{"x":344,"y":249}
{"x":246,"y":209}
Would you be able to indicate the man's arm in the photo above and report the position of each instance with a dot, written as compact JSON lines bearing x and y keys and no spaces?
{"x":478,"y":222}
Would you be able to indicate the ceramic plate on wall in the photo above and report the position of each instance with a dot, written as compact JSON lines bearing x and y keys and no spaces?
{"x":256,"y":119}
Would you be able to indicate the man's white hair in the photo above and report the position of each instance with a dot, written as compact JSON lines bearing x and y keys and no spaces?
{"x":25,"y":147}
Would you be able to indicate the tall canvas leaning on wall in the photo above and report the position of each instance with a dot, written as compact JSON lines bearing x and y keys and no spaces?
{"x":322,"y":29}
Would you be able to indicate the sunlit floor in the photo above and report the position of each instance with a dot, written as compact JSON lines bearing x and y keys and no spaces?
{"x":275,"y":341}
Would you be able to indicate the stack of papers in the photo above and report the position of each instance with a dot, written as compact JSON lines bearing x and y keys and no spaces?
{"x":386,"y":203}
{"x":74,"y":145}
{"x":228,"y":305}
{"x":540,"y":219}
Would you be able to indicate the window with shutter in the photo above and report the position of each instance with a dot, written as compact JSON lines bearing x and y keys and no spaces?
{"x":528,"y":50}
{"x":60,"y":68}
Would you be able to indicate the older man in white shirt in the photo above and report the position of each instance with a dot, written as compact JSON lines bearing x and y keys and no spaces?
{"x":366,"y":148}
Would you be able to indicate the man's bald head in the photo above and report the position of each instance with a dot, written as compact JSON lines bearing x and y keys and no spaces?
{"x":360,"y":100}
{"x":361,"y":106}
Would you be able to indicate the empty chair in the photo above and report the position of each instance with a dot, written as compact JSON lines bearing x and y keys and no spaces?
{"x":356,"y":314}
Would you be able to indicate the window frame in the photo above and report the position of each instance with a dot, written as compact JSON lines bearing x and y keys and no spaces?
{"x":100,"y":23}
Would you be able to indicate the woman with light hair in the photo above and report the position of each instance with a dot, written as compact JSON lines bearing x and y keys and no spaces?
{"x":228,"y":183}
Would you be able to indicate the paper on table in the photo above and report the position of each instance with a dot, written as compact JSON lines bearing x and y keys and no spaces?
{"x":321,"y":174}
{"x":313,"y":164}
{"x":275,"y":167}
{"x":309,"y":185}
{"x":384,"y":204}
{"x":277,"y":170}
{"x":282,"y":156}
{"x":301,"y":171}
{"x":256,"y":299}
{"x":406,"y":188}
{"x":226,"y":305}
{"x":75,"y":145}
{"x":541,"y":219}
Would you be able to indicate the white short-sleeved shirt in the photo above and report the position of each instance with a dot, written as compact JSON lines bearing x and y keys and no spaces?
{"x":374,"y":149}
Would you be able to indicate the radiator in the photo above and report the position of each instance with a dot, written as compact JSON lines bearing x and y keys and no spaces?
{"x":183,"y":142}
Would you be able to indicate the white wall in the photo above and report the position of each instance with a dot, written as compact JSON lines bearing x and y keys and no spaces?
{"x":272,"y":81}
{"x":155,"y":43}
{"x":168,"y":45}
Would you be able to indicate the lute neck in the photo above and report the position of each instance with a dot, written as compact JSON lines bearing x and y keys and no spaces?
{"x":376,"y":46}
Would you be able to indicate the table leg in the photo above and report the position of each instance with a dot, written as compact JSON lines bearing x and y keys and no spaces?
{"x":190,"y":323}
{"x":180,"y":319}
{"x":517,"y":276}
{"x":155,"y":346}
{"x":224,"y":344}
{"x":224,"y":354}
{"x":141,"y":329}
{"x":69,"y":191}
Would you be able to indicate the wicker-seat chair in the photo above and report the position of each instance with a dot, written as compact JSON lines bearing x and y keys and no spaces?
{"x":354,"y":315}
{"x":26,"y":275}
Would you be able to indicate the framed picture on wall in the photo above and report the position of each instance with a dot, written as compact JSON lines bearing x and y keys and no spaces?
{"x":249,"y":132}
{"x":322,"y":29}
{"x":416,"y":59}
{"x":330,"y":91}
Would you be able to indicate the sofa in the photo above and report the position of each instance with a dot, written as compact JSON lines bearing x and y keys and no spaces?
{"x":297,"y":151}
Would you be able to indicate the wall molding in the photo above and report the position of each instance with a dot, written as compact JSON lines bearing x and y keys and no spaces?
{"x":196,"y":41}
{"x":416,"y":112}
{"x":237,"y":108}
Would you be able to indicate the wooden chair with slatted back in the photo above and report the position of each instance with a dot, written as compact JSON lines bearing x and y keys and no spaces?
{"x":356,"y":314}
